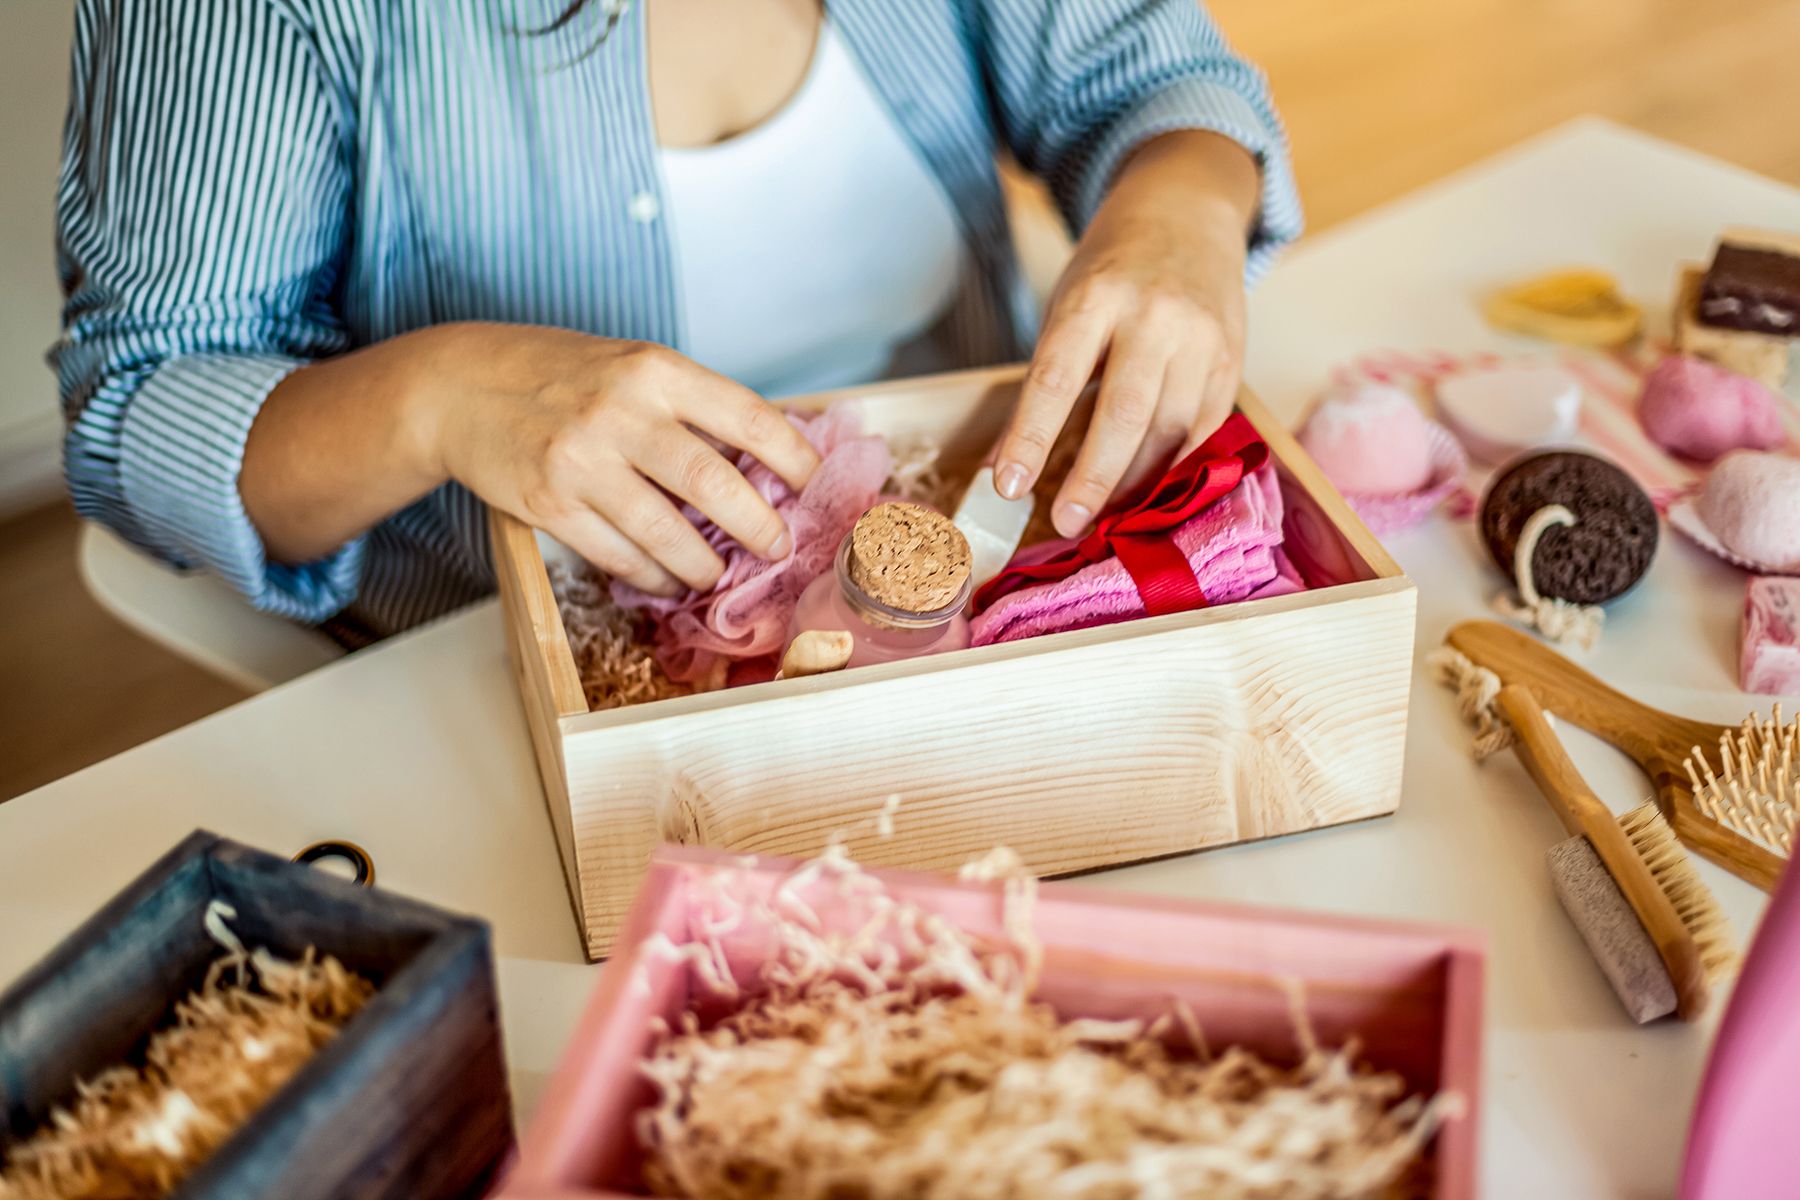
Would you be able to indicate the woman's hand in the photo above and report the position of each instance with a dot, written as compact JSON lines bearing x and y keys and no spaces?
{"x":588,"y":439}
{"x":594,"y":440}
{"x":1152,"y":302}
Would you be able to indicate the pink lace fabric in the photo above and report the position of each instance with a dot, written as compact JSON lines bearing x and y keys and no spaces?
{"x":1233,"y":546}
{"x":698,"y":635}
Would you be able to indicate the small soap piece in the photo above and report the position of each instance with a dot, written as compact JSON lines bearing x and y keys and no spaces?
{"x":1371,"y":440}
{"x":1770,"y":662}
{"x":816,"y":652}
{"x":1753,"y":284}
{"x":993,"y":524}
{"x":1576,"y":307}
{"x":1598,"y":558}
{"x":1750,"y":502}
{"x":1700,"y":410}
{"x":1760,"y":356}
{"x":909,"y":557}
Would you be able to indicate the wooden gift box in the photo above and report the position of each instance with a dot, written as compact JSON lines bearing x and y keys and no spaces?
{"x":409,"y":1100}
{"x":1410,"y":994}
{"x":1079,"y":750}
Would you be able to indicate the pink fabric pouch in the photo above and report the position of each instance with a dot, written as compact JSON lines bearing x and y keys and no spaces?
{"x":745,"y":616}
{"x":1233,"y":546}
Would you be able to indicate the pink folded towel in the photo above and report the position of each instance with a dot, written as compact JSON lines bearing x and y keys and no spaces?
{"x":1233,"y":546}
{"x":746,"y":614}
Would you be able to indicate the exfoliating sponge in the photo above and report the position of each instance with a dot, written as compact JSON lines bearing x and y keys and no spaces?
{"x":1602,"y":554}
{"x":1750,"y":502}
{"x":1700,"y":410}
{"x":1371,"y":440}
{"x":1579,"y":307}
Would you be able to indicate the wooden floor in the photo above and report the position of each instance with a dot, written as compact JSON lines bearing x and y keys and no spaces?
{"x":1380,"y":96}
{"x":78,"y":686}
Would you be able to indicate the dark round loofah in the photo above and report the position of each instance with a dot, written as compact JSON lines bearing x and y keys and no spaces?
{"x":1598,"y":558}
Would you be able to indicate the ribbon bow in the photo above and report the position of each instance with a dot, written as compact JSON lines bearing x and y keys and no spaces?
{"x":1139,"y":529}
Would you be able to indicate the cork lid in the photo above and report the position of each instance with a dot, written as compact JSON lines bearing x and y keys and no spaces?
{"x":908,"y":557}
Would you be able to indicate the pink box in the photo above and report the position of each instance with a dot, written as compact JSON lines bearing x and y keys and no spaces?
{"x":1410,"y":993}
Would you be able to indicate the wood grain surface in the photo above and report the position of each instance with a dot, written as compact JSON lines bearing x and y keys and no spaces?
{"x":1087,"y":749}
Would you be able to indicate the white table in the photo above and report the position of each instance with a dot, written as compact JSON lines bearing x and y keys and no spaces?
{"x":418,"y":750}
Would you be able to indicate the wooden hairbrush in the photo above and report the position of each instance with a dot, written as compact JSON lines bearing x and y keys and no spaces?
{"x":1730,"y":792}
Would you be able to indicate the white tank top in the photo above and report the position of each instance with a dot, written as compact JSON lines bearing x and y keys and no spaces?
{"x":811,"y":249}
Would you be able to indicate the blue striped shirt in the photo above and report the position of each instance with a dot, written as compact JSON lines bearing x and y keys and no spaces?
{"x":249,"y":185}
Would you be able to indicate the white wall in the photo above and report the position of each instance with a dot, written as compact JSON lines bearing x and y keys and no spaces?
{"x":34,"y":83}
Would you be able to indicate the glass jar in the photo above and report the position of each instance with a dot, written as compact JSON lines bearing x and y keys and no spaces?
{"x":881,"y":632}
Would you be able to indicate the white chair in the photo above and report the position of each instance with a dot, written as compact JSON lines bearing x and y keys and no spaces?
{"x":197,"y":616}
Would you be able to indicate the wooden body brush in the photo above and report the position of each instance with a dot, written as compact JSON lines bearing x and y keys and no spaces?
{"x":1626,"y":883}
{"x":1730,"y":792}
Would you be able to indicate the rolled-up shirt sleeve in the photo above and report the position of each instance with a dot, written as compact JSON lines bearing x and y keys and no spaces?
{"x":1080,"y":84}
{"x":201,"y":217}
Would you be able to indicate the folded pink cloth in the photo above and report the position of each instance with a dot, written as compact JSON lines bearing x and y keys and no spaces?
{"x":1287,"y":581}
{"x":1232,"y":546}
{"x":746,"y":613}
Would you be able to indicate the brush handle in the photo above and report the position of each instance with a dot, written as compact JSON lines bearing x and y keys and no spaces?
{"x":1582,"y":813}
{"x":1548,"y":764}
{"x":1657,"y":740}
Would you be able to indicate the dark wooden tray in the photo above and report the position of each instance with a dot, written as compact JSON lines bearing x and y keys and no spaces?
{"x":409,"y":1100}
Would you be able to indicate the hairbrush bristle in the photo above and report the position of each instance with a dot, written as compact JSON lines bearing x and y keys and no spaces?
{"x":1756,"y":792}
{"x":1656,"y":844}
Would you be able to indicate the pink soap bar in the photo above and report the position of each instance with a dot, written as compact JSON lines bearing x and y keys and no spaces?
{"x":1771,"y":653}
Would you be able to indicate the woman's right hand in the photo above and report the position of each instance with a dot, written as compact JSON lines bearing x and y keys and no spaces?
{"x":587,"y":438}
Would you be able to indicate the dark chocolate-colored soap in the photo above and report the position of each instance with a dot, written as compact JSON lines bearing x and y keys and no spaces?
{"x":1753,"y":289}
{"x":1598,"y":558}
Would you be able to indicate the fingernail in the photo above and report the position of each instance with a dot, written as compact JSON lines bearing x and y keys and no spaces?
{"x":781,"y":547}
{"x":1071,"y":519}
{"x":1009,"y":481}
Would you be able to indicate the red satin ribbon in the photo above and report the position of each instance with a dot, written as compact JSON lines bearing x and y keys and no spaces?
{"x":1139,"y":530}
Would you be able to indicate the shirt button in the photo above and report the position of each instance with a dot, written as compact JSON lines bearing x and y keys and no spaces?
{"x":645,"y":208}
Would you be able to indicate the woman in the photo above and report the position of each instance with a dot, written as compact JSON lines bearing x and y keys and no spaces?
{"x":339,"y":272}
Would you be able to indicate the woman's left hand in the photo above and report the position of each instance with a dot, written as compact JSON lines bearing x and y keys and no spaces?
{"x":1152,"y":303}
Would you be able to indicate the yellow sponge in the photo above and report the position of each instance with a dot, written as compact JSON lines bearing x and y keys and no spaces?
{"x":1578,"y":307}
